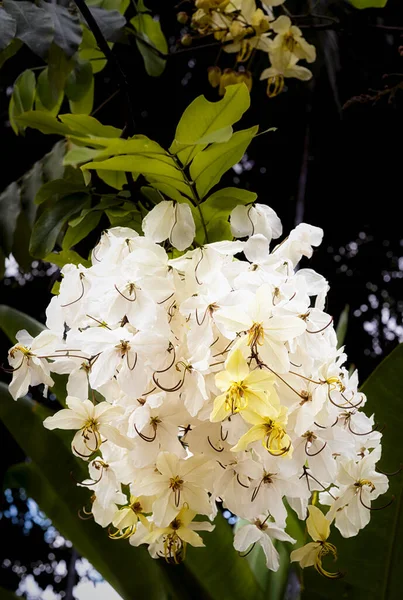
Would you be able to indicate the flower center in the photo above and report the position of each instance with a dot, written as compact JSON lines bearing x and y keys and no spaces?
{"x":256,"y":335}
{"x":236,"y":399}
{"x":176,"y":483}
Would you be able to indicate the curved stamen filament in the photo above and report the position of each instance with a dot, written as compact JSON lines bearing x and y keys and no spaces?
{"x":322,"y":329}
{"x":81,"y":294}
{"x":130,"y":292}
{"x":245,"y":554}
{"x":369,"y":507}
{"x":315,"y":453}
{"x":147,"y":438}
{"x":212,"y":445}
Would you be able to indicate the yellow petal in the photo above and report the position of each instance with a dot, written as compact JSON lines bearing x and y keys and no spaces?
{"x":236,"y":366}
{"x":306,"y":556}
{"x":220,"y":411}
{"x":260,"y":380}
{"x":254,"y":434}
{"x":317,"y":524}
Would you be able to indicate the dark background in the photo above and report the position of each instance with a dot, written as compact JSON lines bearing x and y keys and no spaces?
{"x":335,"y":161}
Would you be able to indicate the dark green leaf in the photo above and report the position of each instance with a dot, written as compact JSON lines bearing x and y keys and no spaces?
{"x":219,"y":569}
{"x":68,"y":32}
{"x":51,"y":221}
{"x":85,"y":105}
{"x":34,"y":25}
{"x":52,"y":162}
{"x":110,"y":22}
{"x":10,"y":207}
{"x":59,"y":68}
{"x":8,"y":28}
{"x":7,"y":594}
{"x":131,"y":571}
{"x":59,"y":188}
{"x":75,"y":234}
{"x":12,"y":321}
{"x":22,"y":99}
{"x":48,"y":97}
{"x":79,"y":81}
{"x":372,"y":561}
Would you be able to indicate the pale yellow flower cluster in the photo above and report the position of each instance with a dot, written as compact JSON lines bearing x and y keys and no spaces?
{"x":244,"y":28}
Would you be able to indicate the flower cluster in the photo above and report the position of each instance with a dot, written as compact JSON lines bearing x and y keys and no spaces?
{"x":243,"y":28}
{"x":204,"y":378}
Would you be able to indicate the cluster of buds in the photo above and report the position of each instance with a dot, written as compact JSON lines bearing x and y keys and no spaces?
{"x":203,"y":379}
{"x":243,"y":27}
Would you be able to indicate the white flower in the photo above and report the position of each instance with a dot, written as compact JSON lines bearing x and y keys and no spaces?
{"x":176,"y":484}
{"x":170,"y":220}
{"x":258,"y":218}
{"x":262,"y":532}
{"x":28,"y":361}
{"x":92,"y":423}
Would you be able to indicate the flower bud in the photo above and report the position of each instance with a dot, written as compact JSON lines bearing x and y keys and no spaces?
{"x":182,"y":17}
{"x":186,"y":39}
{"x":214,"y":76}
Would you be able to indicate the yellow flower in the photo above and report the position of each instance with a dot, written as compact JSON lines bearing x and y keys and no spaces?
{"x":270,"y":428}
{"x":312,"y":553}
{"x":180,"y":532}
{"x":243,"y":389}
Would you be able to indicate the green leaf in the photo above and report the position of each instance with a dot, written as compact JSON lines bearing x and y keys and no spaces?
{"x":8,"y":595}
{"x":22,"y":99}
{"x":59,"y":67}
{"x":59,"y":188}
{"x":47,"y":96}
{"x":51,"y":221}
{"x":12,"y":321}
{"x":34,"y":25}
{"x":79,"y":81}
{"x":85,"y":105}
{"x":204,"y":122}
{"x":10,"y":51}
{"x":210,"y":165}
{"x":77,"y":233}
{"x":67,"y":28}
{"x":88,"y":126}
{"x":139,"y":164}
{"x":129,"y":570}
{"x":149,"y":33}
{"x":44,"y":122}
{"x":8,"y":28}
{"x":66,"y":257}
{"x":89,"y":51}
{"x":10,"y":207}
{"x":78,"y":155}
{"x":110,"y":22}
{"x":368,"y":3}
{"x":372,"y":561}
{"x":216,"y":210}
{"x":138,"y":144}
{"x":31,"y":182}
{"x":115,"y":179}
